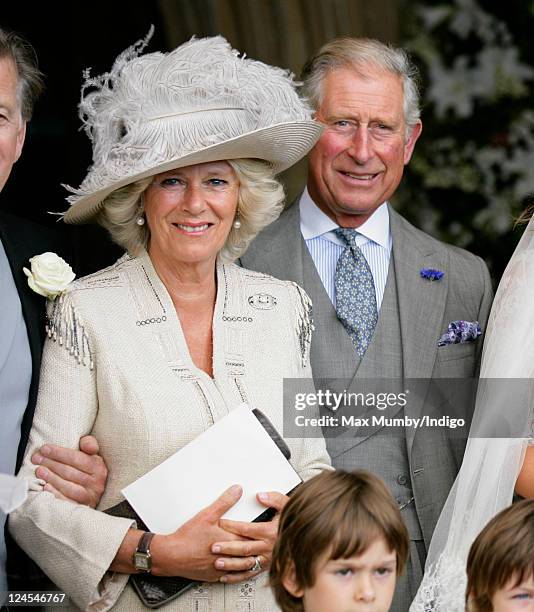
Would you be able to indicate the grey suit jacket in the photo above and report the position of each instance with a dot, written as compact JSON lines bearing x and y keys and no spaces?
{"x":425,"y":310}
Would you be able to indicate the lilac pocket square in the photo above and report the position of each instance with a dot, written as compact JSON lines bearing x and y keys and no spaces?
{"x":460,"y":331}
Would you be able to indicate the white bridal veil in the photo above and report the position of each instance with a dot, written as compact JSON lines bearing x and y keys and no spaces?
{"x":485,"y":482}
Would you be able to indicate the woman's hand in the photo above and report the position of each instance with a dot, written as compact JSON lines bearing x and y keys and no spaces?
{"x":188,"y":551}
{"x":237,"y":557}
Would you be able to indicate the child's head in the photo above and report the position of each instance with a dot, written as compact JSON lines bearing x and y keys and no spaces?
{"x":341,"y":544}
{"x":500,"y":566}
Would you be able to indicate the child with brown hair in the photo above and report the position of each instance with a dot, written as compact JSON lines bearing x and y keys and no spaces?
{"x":500,"y":566}
{"x":341,"y":544}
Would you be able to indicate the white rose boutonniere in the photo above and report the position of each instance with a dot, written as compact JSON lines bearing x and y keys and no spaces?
{"x":50,"y":275}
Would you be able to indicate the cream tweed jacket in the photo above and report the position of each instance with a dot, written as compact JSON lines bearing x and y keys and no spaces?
{"x":118,"y":367}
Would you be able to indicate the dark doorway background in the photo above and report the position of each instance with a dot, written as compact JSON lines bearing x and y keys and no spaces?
{"x":68,"y":37}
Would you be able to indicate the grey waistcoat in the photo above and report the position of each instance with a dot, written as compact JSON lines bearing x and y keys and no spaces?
{"x":333,"y":356}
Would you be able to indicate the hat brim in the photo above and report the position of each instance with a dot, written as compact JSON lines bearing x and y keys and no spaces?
{"x":281,"y":145}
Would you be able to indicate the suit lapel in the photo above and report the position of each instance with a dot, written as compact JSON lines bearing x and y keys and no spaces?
{"x":18,"y":255}
{"x":278,"y":248}
{"x":421,"y":304}
{"x":22,"y":239}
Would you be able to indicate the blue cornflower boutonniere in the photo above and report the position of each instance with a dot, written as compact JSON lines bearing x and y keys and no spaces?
{"x":460,"y":331}
{"x":431,"y":274}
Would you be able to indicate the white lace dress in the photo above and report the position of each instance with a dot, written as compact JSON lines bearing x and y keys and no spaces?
{"x":502,"y":428}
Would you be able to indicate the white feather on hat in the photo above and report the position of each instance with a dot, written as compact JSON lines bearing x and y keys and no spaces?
{"x":200,"y":102}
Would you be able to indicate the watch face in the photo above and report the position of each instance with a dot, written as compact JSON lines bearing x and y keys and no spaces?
{"x":142,"y":561}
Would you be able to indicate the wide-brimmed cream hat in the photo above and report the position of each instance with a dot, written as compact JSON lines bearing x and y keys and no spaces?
{"x":201,"y":102}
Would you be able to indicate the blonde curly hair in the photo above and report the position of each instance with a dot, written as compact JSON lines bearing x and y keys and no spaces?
{"x":260,"y":202}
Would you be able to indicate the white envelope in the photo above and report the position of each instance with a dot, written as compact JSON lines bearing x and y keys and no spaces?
{"x":235,"y":450}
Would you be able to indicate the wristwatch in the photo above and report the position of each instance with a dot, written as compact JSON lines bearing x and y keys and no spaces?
{"x":141,"y":558}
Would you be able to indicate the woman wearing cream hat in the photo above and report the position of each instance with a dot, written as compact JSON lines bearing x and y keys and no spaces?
{"x":148,"y":353}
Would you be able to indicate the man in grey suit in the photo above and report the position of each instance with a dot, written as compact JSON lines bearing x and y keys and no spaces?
{"x":365,"y":94}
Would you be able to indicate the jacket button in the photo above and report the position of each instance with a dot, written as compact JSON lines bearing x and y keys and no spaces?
{"x":402,"y":479}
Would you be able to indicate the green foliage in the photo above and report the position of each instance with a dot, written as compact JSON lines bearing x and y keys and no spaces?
{"x":473,"y":168}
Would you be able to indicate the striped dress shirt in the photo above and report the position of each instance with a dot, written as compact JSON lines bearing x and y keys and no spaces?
{"x":325,"y":247}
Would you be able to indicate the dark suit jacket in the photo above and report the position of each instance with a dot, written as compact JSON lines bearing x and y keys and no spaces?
{"x":23,"y":239}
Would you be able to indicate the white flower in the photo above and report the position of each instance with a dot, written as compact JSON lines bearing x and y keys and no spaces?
{"x":50,"y":275}
{"x":451,"y":89}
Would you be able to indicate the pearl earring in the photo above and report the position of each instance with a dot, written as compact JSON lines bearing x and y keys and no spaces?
{"x":140,"y":221}
{"x":237,"y":222}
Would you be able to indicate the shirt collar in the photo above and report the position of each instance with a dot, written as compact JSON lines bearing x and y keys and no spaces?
{"x":314,"y":223}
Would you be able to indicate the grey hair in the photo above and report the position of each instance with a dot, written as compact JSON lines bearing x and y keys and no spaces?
{"x":361,"y":54}
{"x":30,"y":78}
{"x":260,"y":202}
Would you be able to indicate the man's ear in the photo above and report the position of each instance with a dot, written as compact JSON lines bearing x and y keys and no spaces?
{"x":413,"y":134}
{"x":290,"y":582}
{"x":21,"y":135}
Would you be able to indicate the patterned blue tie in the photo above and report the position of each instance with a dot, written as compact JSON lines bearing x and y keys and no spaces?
{"x":355,"y":292}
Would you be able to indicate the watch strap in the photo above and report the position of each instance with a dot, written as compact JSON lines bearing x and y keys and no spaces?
{"x":144,"y":542}
{"x":141,"y":557}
